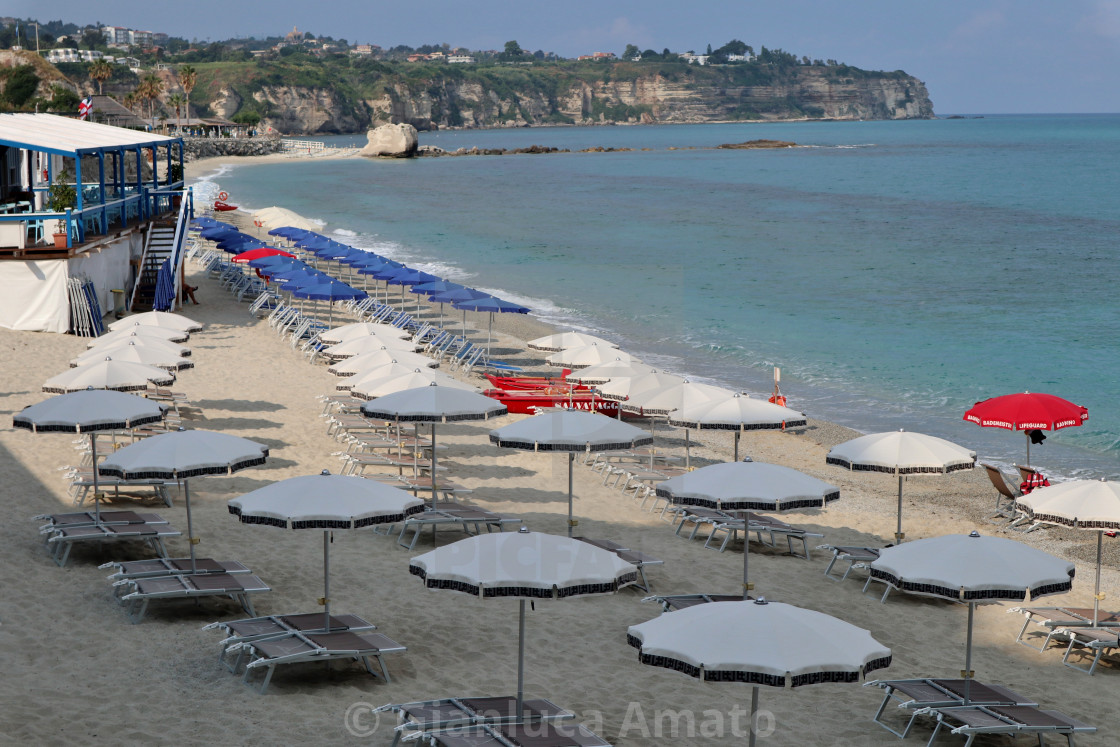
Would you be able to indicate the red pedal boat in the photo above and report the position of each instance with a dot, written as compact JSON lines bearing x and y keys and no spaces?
{"x":223,"y":206}
{"x":533,"y":383}
{"x":523,"y":401}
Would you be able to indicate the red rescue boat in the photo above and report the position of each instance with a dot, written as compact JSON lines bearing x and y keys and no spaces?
{"x":533,"y":383}
{"x":223,"y":206}
{"x":523,"y":401}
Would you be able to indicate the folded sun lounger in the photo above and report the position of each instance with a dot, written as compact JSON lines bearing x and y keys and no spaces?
{"x":237,"y":587}
{"x":638,"y":559}
{"x":920,"y":695}
{"x":1099,"y":642}
{"x":446,"y":713}
{"x":850,"y":554}
{"x":1053,"y":618}
{"x":63,"y":539}
{"x":297,"y":647}
{"x":273,"y":626}
{"x":972,"y":721}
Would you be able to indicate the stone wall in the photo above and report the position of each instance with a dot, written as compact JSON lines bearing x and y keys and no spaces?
{"x":195,"y":148}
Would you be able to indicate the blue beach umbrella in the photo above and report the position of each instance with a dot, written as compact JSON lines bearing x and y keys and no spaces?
{"x":494,"y":306}
{"x":455,"y":296}
{"x":435,"y":288}
{"x":330,"y":291}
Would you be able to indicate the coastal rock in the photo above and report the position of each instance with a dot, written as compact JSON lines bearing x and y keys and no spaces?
{"x":391,"y":141}
{"x":195,"y":148}
{"x":757,"y":144}
{"x":308,"y":111}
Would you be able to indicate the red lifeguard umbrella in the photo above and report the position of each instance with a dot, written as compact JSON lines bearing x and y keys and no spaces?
{"x":264,"y":251}
{"x":1027,"y":411}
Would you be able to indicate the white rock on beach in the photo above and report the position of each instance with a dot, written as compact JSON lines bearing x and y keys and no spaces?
{"x":392,"y":141}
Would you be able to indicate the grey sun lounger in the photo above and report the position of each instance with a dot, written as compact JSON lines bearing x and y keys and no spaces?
{"x":544,"y":734}
{"x":919,"y":695}
{"x":89,"y":519}
{"x":850,"y":554}
{"x":638,"y":559}
{"x":156,"y":567}
{"x":449,"y":512}
{"x":1053,"y":618}
{"x":670,"y":602}
{"x":237,"y":587}
{"x":446,"y":713}
{"x":297,"y":647}
{"x":1097,"y":641}
{"x":62,"y":539}
{"x":273,"y":626}
{"x":972,"y":721}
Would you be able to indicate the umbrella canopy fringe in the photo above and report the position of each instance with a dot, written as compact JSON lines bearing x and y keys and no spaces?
{"x":171,"y":474}
{"x":538,"y":446}
{"x":1066,"y":521}
{"x":738,"y":426}
{"x":750,"y":505}
{"x":371,"y":413}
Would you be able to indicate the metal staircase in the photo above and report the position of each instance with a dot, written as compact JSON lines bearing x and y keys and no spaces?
{"x":164,"y":240}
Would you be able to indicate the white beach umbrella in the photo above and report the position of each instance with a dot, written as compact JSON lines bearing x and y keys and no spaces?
{"x":675,"y":396}
{"x":142,"y":332}
{"x":157,"y":319}
{"x":620,"y":388}
{"x":565,"y":340}
{"x":569,"y":431}
{"x":121,"y":376}
{"x":748,"y":486}
{"x":588,"y":355}
{"x":357,"y":330}
{"x":367,"y":344}
{"x":378,"y":384}
{"x":141,"y":341}
{"x":151,"y":354}
{"x":737,"y":413}
{"x":901,"y":453}
{"x":327,"y":502}
{"x":760,"y":643}
{"x":523,"y":565}
{"x":601,"y":373}
{"x":972,"y":569}
{"x":433,"y":404}
{"x":361,"y":364}
{"x":1089,"y":505}
{"x":90,"y":411}
{"x":181,"y":455}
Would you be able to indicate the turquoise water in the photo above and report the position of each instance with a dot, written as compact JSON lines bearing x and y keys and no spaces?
{"x":896,"y":271}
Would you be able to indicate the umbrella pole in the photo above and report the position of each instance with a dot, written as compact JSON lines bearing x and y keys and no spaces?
{"x":687,"y":450}
{"x":489,"y":330}
{"x":190,"y":531}
{"x":747,"y":586}
{"x":898,"y":532}
{"x":751,"y":726}
{"x":571,"y":458}
{"x":96,"y":496}
{"x":521,"y":660}
{"x":433,"y":479}
{"x":1097,"y":587}
{"x":736,"y":446}
{"x":1028,"y":448}
{"x":968,"y":655}
{"x":327,"y":580}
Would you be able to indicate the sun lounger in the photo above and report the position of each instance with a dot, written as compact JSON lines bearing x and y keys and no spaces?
{"x":638,"y":559}
{"x":1054,"y":618}
{"x":972,"y":721}
{"x":919,"y":695}
{"x":296,"y":647}
{"x":458,"y":712}
{"x":748,"y":522}
{"x":156,"y":567}
{"x":236,"y":586}
{"x":272,"y":626}
{"x":81,"y":487}
{"x":89,"y":518}
{"x":62,"y":539}
{"x":1096,"y":641}
{"x":545,"y":734}
{"x":448,"y":512}
{"x":850,"y":554}
{"x":1004,"y":490}
{"x":670,"y":602}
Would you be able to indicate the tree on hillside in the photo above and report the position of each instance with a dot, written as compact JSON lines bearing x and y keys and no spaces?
{"x":513,"y":52}
{"x":631,"y":52}
{"x":92,"y":38}
{"x":100,"y":71}
{"x":188,"y":76}
{"x":150,"y":89}
{"x":176,"y":100}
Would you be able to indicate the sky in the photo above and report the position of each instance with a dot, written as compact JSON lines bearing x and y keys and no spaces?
{"x":975,"y":56}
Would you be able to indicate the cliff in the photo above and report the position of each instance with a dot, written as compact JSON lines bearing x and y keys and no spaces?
{"x":354,"y":96}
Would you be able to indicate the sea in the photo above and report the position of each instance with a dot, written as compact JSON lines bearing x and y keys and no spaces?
{"x":897,"y":272}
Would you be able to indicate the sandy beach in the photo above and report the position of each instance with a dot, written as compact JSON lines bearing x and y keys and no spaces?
{"x":76,"y":671}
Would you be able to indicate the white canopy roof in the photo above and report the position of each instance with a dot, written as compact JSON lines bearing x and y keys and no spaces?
{"x":66,"y":136}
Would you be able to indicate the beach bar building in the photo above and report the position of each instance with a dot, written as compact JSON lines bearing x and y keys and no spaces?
{"x":86,"y":200}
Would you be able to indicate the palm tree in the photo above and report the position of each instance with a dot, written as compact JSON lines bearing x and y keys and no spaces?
{"x":150,"y":88}
{"x":176,"y":100}
{"x":100,"y":71}
{"x":188,"y":76}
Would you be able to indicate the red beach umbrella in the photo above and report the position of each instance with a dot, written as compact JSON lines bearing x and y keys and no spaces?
{"x":1027,"y":411}
{"x":264,"y":251}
